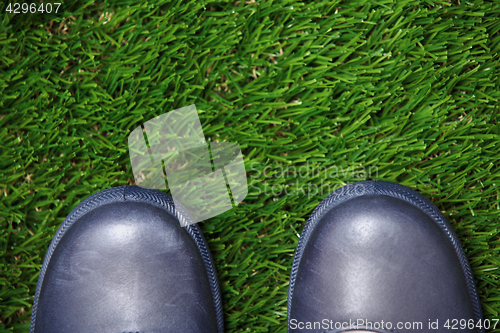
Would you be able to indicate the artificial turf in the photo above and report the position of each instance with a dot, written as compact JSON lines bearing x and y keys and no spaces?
{"x":404,"y":91}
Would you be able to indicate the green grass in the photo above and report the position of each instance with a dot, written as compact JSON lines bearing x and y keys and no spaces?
{"x":409,"y":89}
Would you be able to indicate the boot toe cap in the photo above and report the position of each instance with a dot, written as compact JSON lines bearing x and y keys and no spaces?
{"x":377,"y":257}
{"x":125,"y":266}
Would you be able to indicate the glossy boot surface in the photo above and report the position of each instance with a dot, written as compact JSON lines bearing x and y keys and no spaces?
{"x":121,"y":262}
{"x":376,"y":252}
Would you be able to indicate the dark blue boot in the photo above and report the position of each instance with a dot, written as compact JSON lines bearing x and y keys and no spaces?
{"x":380,"y":256}
{"x":121,"y":262}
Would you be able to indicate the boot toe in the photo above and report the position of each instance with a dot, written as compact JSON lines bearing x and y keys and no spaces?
{"x":122,"y":267}
{"x":375,"y":258}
